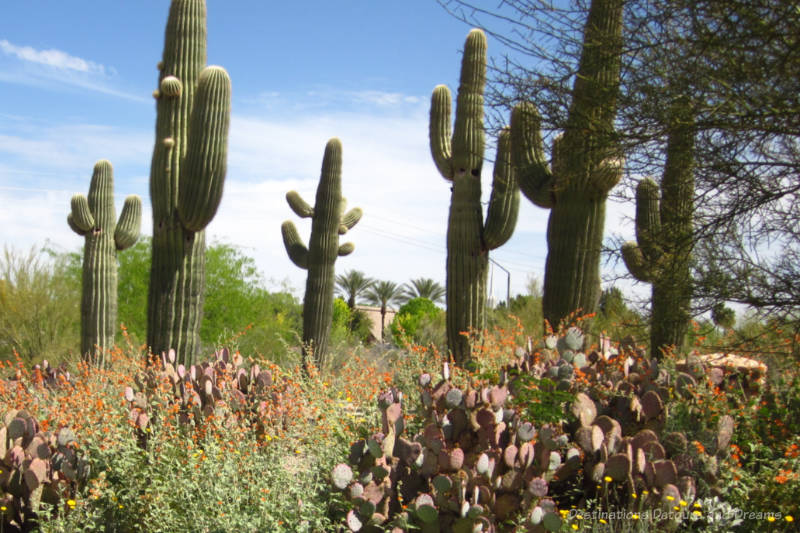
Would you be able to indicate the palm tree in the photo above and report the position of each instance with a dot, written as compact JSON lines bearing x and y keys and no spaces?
{"x":423,"y":288}
{"x":351,"y":285}
{"x":383,"y":293}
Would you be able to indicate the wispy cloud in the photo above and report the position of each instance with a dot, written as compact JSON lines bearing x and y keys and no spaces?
{"x":329,"y":100}
{"x":52,"y":58}
{"x":54,"y":69}
{"x":387,"y":171}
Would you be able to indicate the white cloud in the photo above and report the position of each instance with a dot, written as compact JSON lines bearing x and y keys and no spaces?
{"x":57,"y":70}
{"x":52,"y":58}
{"x":387,"y":171}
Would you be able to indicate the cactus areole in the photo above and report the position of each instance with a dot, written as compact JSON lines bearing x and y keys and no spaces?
{"x":186,"y":178}
{"x":585,"y":166}
{"x":328,"y":221}
{"x":459,"y":159}
{"x":95,"y":219}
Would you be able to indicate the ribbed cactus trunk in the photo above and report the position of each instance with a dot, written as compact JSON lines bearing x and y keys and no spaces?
{"x":459,"y":159}
{"x":328,"y":221}
{"x":95,"y":218}
{"x":467,"y":266}
{"x":662,"y":253}
{"x":585,"y":166}
{"x":186,"y":179}
{"x":572,"y":268}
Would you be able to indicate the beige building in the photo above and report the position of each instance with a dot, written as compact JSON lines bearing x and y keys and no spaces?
{"x":374,"y":314}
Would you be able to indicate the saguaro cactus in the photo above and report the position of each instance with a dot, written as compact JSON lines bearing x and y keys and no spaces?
{"x":664,"y":237}
{"x":459,"y":160}
{"x":96,"y":219}
{"x":186,"y":178}
{"x":328,"y":221}
{"x":585,"y":166}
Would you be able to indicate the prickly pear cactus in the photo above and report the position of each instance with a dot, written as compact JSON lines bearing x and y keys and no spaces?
{"x":328,"y":221}
{"x":220,"y":387}
{"x":477,"y":464}
{"x":585,"y":166}
{"x":36,"y":467}
{"x":95,"y":219}
{"x":186,"y":178}
{"x":662,"y":251}
{"x":459,"y":159}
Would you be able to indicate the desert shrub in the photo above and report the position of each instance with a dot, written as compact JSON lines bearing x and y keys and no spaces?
{"x":156,"y":463}
{"x":419,"y":321}
{"x":39,"y":306}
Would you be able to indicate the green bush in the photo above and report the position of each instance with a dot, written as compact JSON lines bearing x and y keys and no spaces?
{"x":39,"y":306}
{"x":238,"y":309}
{"x":419,"y":321}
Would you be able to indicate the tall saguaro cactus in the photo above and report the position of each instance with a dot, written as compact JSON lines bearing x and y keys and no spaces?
{"x":585,"y":166}
{"x":459,"y":159}
{"x":662,"y":252}
{"x":96,"y":219}
{"x":186,"y":178}
{"x":328,"y":221}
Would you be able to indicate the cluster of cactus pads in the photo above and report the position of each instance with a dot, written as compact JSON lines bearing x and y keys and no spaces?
{"x":199,"y":388}
{"x":477,"y":465}
{"x":329,"y":220}
{"x":36,"y":467}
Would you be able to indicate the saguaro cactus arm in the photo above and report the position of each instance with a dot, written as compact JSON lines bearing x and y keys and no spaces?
{"x":295,"y":247}
{"x":643,"y":256}
{"x":203,"y":174}
{"x":346,"y":249}
{"x":504,"y":201}
{"x":130,"y":223}
{"x":636,"y":262}
{"x":439,"y":131}
{"x":298,"y":205}
{"x":350,"y":219}
{"x":535,"y":178}
{"x":80,"y":218}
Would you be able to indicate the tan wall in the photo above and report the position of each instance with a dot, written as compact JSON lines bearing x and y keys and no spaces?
{"x":374,"y":314}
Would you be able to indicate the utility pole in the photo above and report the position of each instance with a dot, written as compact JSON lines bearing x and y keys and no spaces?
{"x":508,"y":281}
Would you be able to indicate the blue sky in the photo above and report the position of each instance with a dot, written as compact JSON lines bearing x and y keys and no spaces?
{"x":75,"y":85}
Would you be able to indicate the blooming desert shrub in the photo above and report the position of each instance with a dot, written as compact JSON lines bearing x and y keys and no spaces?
{"x":567,"y":436}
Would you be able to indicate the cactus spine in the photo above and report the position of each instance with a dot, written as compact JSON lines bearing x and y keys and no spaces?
{"x":459,"y":160}
{"x":186,"y":178}
{"x":585,"y":166}
{"x":328,"y":221}
{"x":662,"y":252}
{"x":96,"y":219}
